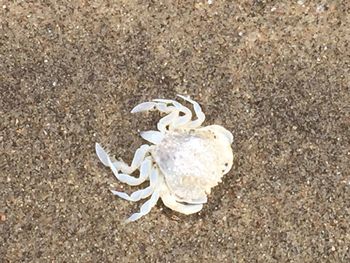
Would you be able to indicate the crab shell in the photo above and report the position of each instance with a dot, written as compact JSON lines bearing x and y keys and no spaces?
{"x":193,"y":161}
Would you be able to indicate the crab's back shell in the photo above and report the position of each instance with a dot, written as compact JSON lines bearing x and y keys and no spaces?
{"x":193,"y":161}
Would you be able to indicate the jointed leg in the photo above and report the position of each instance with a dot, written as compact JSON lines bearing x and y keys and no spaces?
{"x":147,"y":206}
{"x":135,"y":196}
{"x":139,"y":156}
{"x":173,"y":108}
{"x":167,"y":121}
{"x":177,"y":105}
{"x":138,"y":162}
{"x":143,"y":193}
{"x":102,"y":154}
{"x":201,"y":200}
{"x":154,"y":137}
{"x":152,"y":105}
{"x":199,"y":113}
{"x":120,"y":165}
{"x":131,"y":180}
{"x":170,"y":201}
{"x":180,"y":120}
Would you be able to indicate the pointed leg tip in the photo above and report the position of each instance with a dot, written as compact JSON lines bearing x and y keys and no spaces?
{"x":97,"y":146}
{"x":102,"y":154}
{"x":181,"y":96}
{"x":131,"y":219}
{"x":114,"y":192}
{"x":144,"y":106}
{"x":126,"y":222}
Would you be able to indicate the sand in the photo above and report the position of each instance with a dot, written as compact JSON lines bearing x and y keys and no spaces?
{"x":275,"y":73}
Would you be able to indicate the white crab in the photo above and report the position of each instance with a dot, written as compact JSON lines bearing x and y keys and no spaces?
{"x":184,"y":163}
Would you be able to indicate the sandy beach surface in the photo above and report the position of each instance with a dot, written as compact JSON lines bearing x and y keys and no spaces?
{"x":275,"y":73}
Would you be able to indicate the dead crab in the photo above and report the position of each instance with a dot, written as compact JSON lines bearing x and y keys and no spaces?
{"x":184,"y":163}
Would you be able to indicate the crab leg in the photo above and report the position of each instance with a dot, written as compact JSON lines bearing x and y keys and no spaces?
{"x":154,"y":137}
{"x":167,"y":121}
{"x":102,"y":154}
{"x":180,"y":120}
{"x":144,"y":106}
{"x":173,"y":119}
{"x":151,"y":105}
{"x":131,"y":180}
{"x":201,"y":200}
{"x":170,"y":201}
{"x":140,"y":194}
{"x":120,"y":165}
{"x":145,"y":166}
{"x":147,"y":206}
{"x":161,"y":105}
{"x":177,"y":105}
{"x":199,"y":113}
{"x":139,"y":156}
{"x":135,"y":196}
